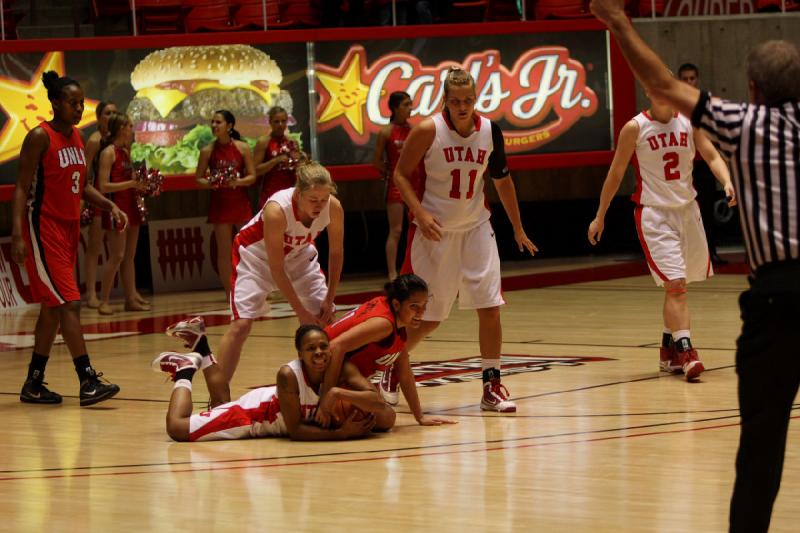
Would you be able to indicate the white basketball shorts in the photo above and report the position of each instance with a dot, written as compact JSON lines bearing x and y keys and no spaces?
{"x":674,"y":242}
{"x":251,"y":282}
{"x":256,"y":414}
{"x":463,"y":264}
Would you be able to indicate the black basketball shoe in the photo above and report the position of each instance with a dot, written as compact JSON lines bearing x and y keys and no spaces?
{"x":34,"y":391}
{"x":93,"y":390}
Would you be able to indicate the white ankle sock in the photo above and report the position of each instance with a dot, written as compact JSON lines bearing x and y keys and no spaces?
{"x":490,"y":363}
{"x":681,"y":334}
{"x":184,"y":383}
{"x":207,"y":361}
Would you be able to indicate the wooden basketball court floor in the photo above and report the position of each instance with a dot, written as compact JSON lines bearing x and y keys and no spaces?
{"x":601,"y":441}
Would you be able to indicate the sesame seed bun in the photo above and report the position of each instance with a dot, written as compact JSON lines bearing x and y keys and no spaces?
{"x":234,"y":61}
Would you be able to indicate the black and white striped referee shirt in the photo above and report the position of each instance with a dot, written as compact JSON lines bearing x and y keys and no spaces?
{"x":762,"y":146}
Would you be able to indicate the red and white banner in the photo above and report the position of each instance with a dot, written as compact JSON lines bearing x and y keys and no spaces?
{"x":14,"y":291}
{"x":183,"y":255}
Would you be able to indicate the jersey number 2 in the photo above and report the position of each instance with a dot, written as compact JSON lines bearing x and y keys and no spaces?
{"x":671,"y":162}
{"x":455,"y":190}
{"x":76,"y":182}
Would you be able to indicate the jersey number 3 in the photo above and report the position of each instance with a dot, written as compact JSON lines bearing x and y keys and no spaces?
{"x":671,"y":162}
{"x":76,"y":182}
{"x":455,"y":190}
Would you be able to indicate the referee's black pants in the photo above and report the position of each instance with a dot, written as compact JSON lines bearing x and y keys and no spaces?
{"x":768,"y":365}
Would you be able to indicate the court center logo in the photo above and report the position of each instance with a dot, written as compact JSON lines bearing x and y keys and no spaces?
{"x":433,"y":374}
{"x":542,"y":95}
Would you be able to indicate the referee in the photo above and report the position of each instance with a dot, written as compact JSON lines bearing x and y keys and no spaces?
{"x":761,"y":142}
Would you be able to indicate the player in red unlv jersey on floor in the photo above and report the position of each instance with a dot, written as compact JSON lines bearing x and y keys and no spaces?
{"x":668,"y":221}
{"x":373,"y":337}
{"x":46,"y":227}
{"x":452,"y":245}
{"x":284,"y":410}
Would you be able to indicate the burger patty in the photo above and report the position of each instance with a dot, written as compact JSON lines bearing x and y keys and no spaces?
{"x":201,"y":105}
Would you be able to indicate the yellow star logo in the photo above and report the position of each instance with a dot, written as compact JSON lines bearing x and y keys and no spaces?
{"x":26,"y":105}
{"x":346,"y":94}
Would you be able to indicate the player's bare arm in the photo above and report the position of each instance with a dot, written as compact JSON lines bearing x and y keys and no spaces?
{"x":416,"y":144}
{"x":289,"y":395}
{"x":335,"y":259}
{"x":716,"y":163}
{"x":626,"y":145}
{"x":274,"y":228}
{"x":371,"y":330}
{"x":202,"y":167}
{"x":508,"y":197}
{"x":380,"y":149}
{"x":249,"y":177}
{"x":357,"y":390}
{"x":34,"y":145}
{"x":658,"y":81}
{"x":409,"y":387}
{"x":104,"y":164}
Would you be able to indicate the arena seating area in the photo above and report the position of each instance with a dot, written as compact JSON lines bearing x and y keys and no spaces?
{"x":190,"y":16}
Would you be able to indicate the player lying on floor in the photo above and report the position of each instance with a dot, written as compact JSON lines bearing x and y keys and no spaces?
{"x":284,"y":410}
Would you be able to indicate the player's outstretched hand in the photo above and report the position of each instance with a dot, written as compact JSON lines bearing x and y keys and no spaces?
{"x":525,"y":243}
{"x":606,"y":10}
{"x":306,"y":317}
{"x":19,"y":251}
{"x":431,"y":420}
{"x":352,"y":428}
{"x":596,"y":231}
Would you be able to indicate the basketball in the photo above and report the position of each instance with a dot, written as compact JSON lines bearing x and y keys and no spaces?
{"x":343,"y":409}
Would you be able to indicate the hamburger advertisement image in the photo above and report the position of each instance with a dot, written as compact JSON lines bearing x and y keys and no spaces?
{"x":178,"y":90}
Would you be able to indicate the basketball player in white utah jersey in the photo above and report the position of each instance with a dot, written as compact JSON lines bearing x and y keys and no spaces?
{"x":284,"y":410}
{"x":667,"y":217}
{"x":275,"y":252}
{"x":452,"y":246}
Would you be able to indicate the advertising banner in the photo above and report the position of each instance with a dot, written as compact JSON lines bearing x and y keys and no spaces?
{"x":170,"y":93}
{"x":548,"y":92}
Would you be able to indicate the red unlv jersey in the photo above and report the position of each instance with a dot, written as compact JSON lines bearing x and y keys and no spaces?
{"x":57,"y":188}
{"x":377,"y":355}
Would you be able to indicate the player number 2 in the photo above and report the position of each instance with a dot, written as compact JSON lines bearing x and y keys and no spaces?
{"x":455,"y":190}
{"x":76,"y":182}
{"x":671,"y":161}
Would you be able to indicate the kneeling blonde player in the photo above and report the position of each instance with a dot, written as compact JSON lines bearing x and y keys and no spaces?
{"x":284,"y":410}
{"x":667,"y":217}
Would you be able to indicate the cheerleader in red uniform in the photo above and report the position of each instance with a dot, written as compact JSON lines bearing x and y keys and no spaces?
{"x":51,"y":182}
{"x":273,"y":156}
{"x":115,"y":176}
{"x":94,"y":245}
{"x":387,"y":152}
{"x":229,"y":203}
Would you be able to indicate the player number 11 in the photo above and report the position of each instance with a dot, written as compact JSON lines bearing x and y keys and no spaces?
{"x":455,"y":190}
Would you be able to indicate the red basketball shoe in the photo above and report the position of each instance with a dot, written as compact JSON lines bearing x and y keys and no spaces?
{"x":667,"y":360}
{"x":495,"y":398}
{"x":692,"y":366}
{"x":189,"y":331}
{"x":172,"y":362}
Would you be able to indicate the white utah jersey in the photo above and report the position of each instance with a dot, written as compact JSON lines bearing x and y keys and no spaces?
{"x":296,"y":238}
{"x":273,"y":425}
{"x":452,"y":185}
{"x":664,"y":161}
